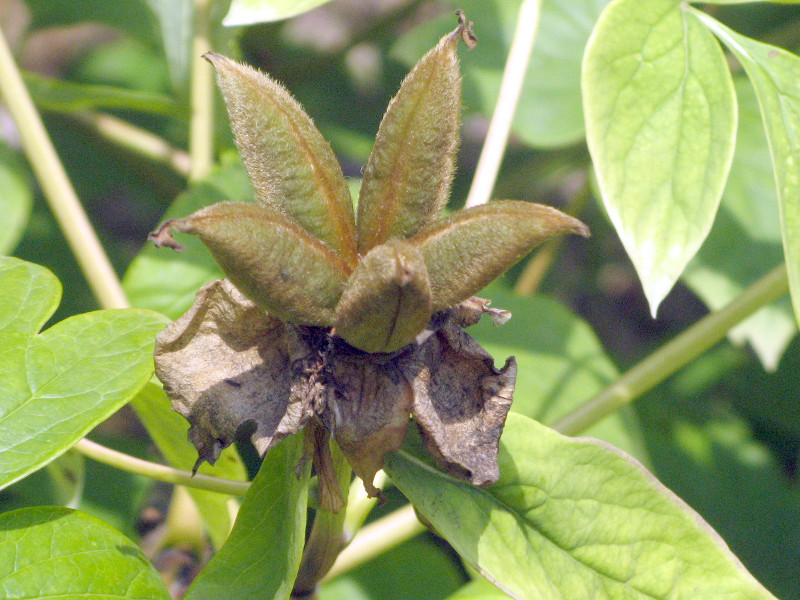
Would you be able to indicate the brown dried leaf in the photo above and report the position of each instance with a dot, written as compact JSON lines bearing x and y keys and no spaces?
{"x":461,"y":402}
{"x":226,"y":363}
{"x":368,"y":412}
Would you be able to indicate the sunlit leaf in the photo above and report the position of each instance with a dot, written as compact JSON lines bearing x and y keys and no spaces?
{"x":17,"y":199}
{"x":49,"y":552}
{"x":660,"y":121}
{"x":250,"y":12}
{"x":775,"y":75}
{"x":575,"y":518}
{"x":59,"y":384}
{"x":262,"y":554}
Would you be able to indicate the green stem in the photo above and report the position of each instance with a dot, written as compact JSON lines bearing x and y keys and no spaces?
{"x":513,"y":77}
{"x":131,"y":464}
{"x":57,"y":187}
{"x":136,"y":140}
{"x":676,"y":353}
{"x":359,"y":504}
{"x":377,"y":537}
{"x":201,"y":125}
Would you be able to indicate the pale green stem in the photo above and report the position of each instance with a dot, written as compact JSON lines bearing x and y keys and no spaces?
{"x":513,"y":77}
{"x":136,"y":140}
{"x":201,"y":124}
{"x":57,"y":187}
{"x":359,"y":504}
{"x":131,"y":464}
{"x":676,"y":353}
{"x":377,"y":537}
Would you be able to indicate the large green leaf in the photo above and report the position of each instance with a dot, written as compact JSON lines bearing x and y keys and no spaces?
{"x":49,"y":552}
{"x":660,"y":121}
{"x":745,"y":241}
{"x":59,"y":384}
{"x":177,"y":24}
{"x":573,"y":518}
{"x":16,"y":199}
{"x":249,"y":12}
{"x":561,"y":364}
{"x":478,"y":589}
{"x":549,"y":112}
{"x":166,"y":281}
{"x":262,"y":554}
{"x":168,"y":430}
{"x":775,"y":75}
{"x":68,"y":96}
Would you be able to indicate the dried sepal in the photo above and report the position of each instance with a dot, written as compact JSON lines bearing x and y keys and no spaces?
{"x":387,"y":300}
{"x":291,"y":166}
{"x":461,"y":402}
{"x":407,"y":178}
{"x":468,"y":250}
{"x":369,"y":411}
{"x":274,"y":261}
{"x":223,"y":364}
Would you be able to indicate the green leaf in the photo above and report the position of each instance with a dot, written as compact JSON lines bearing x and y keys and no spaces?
{"x":167,"y":281}
{"x":407,"y":179}
{"x":17,"y":199}
{"x":59,"y":384}
{"x":550,"y":112}
{"x":468,"y":250}
{"x":745,"y":241}
{"x":262,"y":554}
{"x":49,"y":552}
{"x":250,"y":12}
{"x":177,"y":24}
{"x":574,"y":518}
{"x":168,"y":430}
{"x":292,"y":168}
{"x":561,"y":364}
{"x":478,"y":589}
{"x":775,"y":75}
{"x":67,"y":96}
{"x":660,"y":121}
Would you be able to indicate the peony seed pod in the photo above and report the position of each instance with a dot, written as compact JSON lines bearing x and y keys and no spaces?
{"x":467,"y":251}
{"x":272,"y":260}
{"x":387,"y":300}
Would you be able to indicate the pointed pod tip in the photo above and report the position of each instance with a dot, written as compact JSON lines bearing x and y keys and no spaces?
{"x":581,"y":229}
{"x":163,"y":237}
{"x":464,"y":29}
{"x":211,"y":56}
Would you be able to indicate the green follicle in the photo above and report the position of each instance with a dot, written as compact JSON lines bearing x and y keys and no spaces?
{"x":291,"y":166}
{"x":407,"y":178}
{"x":468,"y":250}
{"x":271,"y":259}
{"x":387,"y":300}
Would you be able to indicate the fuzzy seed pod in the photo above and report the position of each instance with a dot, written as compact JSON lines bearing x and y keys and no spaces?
{"x":272,"y":260}
{"x":292,"y":168}
{"x":387,"y":300}
{"x":407,"y":178}
{"x":467,"y":251}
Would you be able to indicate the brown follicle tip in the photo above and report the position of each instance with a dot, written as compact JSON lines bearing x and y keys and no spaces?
{"x":162,"y":237}
{"x":468,"y":37}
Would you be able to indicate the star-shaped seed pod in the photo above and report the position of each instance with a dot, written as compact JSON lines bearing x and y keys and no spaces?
{"x":349,"y":323}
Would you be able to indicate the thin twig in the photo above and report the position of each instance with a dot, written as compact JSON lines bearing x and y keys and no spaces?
{"x":676,"y":353}
{"x":513,"y":77}
{"x":131,"y":464}
{"x":57,"y":187}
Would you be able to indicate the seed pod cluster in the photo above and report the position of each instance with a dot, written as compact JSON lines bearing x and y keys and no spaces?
{"x":302,"y":255}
